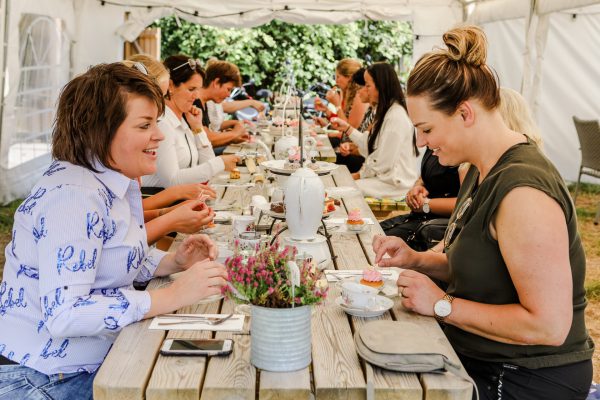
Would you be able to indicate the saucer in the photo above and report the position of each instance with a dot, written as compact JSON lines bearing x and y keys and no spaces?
{"x":222,"y":217}
{"x":383,"y":304}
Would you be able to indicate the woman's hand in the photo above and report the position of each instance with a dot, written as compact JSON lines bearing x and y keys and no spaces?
{"x":257,"y":105}
{"x":339,"y":124}
{"x":348,"y":148}
{"x":201,"y":280}
{"x":230,"y":161}
{"x":319,"y":106}
{"x":334,"y":97}
{"x":190,"y":216}
{"x":400,"y":253}
{"x":195,"y":248}
{"x":192,"y":191}
{"x":416,"y":197}
{"x":194,"y":118}
{"x":419,"y":293}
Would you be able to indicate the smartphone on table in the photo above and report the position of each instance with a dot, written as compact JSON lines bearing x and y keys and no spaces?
{"x":196,"y":347}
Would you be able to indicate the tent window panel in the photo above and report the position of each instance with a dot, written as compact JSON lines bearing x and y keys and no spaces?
{"x":44,"y":53}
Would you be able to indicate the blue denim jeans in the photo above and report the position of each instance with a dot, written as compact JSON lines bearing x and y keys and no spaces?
{"x":19,"y":382}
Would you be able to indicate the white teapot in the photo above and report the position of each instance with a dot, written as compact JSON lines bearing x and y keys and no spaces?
{"x":284,"y":144}
{"x":304,"y":200}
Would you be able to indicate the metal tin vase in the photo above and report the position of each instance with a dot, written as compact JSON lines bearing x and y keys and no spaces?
{"x":281,"y":338}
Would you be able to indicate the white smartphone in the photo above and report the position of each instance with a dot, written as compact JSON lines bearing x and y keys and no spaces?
{"x":196,"y":347}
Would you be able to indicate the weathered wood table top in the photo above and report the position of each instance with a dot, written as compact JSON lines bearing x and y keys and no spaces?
{"x":134,"y":369}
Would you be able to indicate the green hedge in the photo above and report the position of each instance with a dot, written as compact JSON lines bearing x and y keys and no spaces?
{"x":260,"y":52}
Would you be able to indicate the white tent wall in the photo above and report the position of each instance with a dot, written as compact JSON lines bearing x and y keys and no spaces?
{"x":97,"y":40}
{"x":569,"y":77}
{"x":18,"y":180}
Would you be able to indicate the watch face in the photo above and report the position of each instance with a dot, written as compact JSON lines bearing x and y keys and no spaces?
{"x":442,"y":308}
{"x":426,"y":208}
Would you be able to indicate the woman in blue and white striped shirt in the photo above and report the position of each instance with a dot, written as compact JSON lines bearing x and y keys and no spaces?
{"x":79,"y":242}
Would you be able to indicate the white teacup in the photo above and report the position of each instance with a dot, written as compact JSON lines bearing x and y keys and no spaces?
{"x":242,"y":223}
{"x":258,"y":203}
{"x":249,"y":241}
{"x":224,"y":254}
{"x":356,"y":295}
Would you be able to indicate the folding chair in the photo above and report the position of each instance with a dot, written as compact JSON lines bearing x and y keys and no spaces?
{"x":589,"y":141}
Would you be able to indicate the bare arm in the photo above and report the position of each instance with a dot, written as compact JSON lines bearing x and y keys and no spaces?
{"x":232,"y":106}
{"x":533,"y":240}
{"x":171,"y":194}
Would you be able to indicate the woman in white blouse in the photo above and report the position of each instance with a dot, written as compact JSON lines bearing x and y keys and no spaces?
{"x":390,"y":168}
{"x":186,"y":155}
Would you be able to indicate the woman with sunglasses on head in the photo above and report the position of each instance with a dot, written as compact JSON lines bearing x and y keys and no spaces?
{"x":513,"y":259}
{"x":190,"y":213}
{"x":185,"y":156}
{"x":390,"y":166}
{"x":79,"y":242}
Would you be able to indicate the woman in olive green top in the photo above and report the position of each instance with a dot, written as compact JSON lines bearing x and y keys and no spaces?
{"x":514,"y":262}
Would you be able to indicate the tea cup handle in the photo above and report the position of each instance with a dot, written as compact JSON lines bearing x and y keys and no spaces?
{"x":372,"y":303}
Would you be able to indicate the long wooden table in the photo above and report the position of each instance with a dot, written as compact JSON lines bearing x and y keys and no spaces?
{"x":134,"y":369}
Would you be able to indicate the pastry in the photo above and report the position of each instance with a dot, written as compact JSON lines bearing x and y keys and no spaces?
{"x":259,"y":178}
{"x":234,"y":174}
{"x":278,"y":207}
{"x":372,"y":277}
{"x":355,"y":221}
{"x":329,"y":205}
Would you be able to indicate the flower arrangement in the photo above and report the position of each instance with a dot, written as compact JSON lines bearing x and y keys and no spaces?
{"x":263,"y":279}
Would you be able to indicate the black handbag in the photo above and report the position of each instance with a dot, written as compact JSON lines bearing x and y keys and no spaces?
{"x":429,"y":233}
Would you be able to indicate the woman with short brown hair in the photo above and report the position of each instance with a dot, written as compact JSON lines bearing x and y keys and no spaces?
{"x":79,"y":242}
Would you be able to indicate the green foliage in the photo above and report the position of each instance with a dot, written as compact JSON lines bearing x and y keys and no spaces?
{"x":314,"y":50}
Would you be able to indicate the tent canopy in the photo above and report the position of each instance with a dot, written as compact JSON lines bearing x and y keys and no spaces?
{"x":539,"y":47}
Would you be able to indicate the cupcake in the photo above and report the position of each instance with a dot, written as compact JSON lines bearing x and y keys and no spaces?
{"x":372,"y":277}
{"x":355,"y":221}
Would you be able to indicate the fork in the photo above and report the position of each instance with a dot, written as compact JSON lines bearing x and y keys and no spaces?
{"x":206,"y":320}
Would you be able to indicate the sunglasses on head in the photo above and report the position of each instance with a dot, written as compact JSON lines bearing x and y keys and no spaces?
{"x":191,"y":62}
{"x":140,"y":67}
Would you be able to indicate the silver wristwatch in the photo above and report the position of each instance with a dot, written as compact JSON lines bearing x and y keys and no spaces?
{"x":426,"y":209}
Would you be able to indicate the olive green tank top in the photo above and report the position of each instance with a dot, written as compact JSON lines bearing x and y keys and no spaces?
{"x":478,"y":271}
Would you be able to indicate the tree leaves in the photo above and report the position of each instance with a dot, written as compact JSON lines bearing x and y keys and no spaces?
{"x":313,"y":50}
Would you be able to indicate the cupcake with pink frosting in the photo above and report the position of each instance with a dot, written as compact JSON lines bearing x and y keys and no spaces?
{"x":372,"y":277}
{"x":355,"y":221}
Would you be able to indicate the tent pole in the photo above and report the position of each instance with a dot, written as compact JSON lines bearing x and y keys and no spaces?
{"x":3,"y":64}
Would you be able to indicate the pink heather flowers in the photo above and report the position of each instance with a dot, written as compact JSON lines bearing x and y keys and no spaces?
{"x":263,"y":279}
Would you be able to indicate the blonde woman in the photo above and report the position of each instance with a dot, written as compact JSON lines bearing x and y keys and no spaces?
{"x":517,"y":116}
{"x":514,"y":310}
{"x":343,"y":96}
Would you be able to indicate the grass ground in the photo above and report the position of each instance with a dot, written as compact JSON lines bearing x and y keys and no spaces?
{"x":587,"y":204}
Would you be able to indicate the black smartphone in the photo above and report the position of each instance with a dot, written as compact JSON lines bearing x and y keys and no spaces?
{"x":196,"y":347}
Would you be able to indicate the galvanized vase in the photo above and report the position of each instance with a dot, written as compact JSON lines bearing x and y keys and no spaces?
{"x":281,"y":338}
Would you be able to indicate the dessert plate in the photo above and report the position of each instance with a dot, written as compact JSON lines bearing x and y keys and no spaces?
{"x":382,"y":304}
{"x":266,"y":209}
{"x":278,"y":167}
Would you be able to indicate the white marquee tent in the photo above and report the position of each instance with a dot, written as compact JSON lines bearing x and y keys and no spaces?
{"x":547,"y":49}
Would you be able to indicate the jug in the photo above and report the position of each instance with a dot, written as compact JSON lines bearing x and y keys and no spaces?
{"x":304,"y":200}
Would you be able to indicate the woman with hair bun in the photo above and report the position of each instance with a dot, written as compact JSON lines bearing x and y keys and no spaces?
{"x":512,"y":257}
